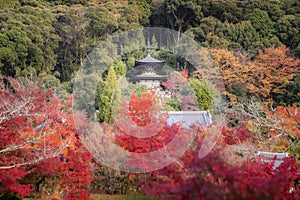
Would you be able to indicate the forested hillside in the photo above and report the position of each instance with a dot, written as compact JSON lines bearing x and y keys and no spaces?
{"x":40,"y":37}
{"x":255,"y":44}
{"x":50,"y":39}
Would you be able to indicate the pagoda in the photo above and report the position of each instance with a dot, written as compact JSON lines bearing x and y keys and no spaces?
{"x":147,"y":71}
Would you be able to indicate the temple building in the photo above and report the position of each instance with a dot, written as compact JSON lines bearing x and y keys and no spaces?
{"x":277,"y":158}
{"x":146,"y":73}
{"x":188,"y":118}
{"x":147,"y":69}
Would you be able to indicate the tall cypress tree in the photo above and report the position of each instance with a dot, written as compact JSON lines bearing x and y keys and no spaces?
{"x":107,"y":97}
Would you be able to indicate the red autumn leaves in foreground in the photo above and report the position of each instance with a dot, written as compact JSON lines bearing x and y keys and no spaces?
{"x":38,"y":135}
{"x":48,"y":125}
{"x":213,"y":177}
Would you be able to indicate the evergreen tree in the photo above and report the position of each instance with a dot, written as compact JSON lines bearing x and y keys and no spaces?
{"x":7,"y":4}
{"x":108,"y":97}
{"x":205,"y":92}
{"x":261,"y":21}
{"x":120,"y":68}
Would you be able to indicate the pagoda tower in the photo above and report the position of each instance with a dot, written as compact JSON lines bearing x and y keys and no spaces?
{"x":147,"y":71}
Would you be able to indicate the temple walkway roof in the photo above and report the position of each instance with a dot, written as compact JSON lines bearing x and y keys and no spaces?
{"x":187,"y":118}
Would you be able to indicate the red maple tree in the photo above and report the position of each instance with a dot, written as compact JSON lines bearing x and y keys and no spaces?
{"x":211,"y":177}
{"x":36,"y":126}
{"x":71,"y":172}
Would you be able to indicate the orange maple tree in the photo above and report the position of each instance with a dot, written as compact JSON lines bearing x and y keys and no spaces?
{"x":274,"y":69}
{"x":278,"y":129}
{"x":235,"y":69}
{"x":266,"y":75}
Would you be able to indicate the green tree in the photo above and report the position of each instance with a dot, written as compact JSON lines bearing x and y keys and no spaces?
{"x":222,"y":10}
{"x":120,"y":68}
{"x":116,"y":102}
{"x":158,"y":14}
{"x":262,"y":23}
{"x":172,"y":105}
{"x":273,"y":8}
{"x":7,"y":4}
{"x":130,"y":16}
{"x":290,"y":94}
{"x":67,"y":2}
{"x":291,"y":7}
{"x":108,"y":96}
{"x":288,"y":30}
{"x":205,"y":92}
{"x":103,"y":21}
{"x":144,"y":5}
{"x":208,"y":25}
{"x":177,"y":14}
{"x":138,"y":89}
{"x":27,"y":40}
{"x":71,"y":26}
{"x":242,"y":34}
{"x":113,"y":16}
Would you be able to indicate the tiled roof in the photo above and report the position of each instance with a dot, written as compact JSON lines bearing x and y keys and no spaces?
{"x":277,"y":158}
{"x":189,"y":117}
{"x":149,"y":59}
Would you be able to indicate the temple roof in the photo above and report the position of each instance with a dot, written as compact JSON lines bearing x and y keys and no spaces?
{"x":277,"y":158}
{"x":149,"y":59}
{"x":150,"y":76}
{"x":187,"y":118}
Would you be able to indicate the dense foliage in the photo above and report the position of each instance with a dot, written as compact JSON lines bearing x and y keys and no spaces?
{"x":219,"y":175}
{"x":36,"y":126}
{"x":50,"y":39}
{"x":254,"y":44}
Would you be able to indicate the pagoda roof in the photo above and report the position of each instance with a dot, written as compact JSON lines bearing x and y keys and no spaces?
{"x":150,"y":76}
{"x":149,"y":59}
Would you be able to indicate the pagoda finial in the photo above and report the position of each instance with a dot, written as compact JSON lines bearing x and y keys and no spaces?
{"x":148,"y":47}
